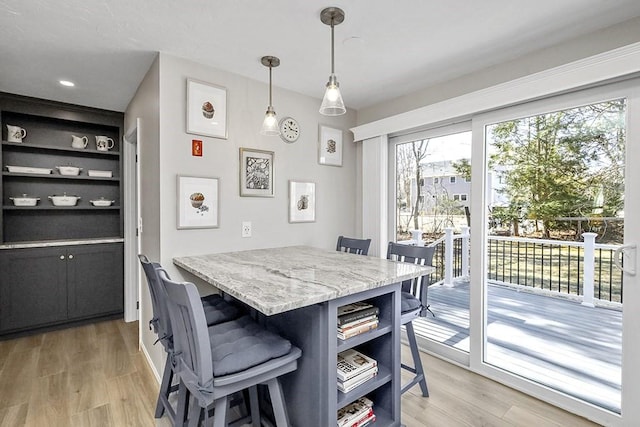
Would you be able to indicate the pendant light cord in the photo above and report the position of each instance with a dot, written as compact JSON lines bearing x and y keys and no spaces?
{"x":332,"y":54}
{"x":270,"y":102}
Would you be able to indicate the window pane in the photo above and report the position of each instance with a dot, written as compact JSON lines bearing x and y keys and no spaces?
{"x":426,"y":179}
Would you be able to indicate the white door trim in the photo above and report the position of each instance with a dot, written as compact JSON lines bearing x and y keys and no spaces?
{"x":131,"y":269}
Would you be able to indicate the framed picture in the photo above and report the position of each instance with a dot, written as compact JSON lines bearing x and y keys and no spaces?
{"x":329,"y":146}
{"x":256,"y":173}
{"x":197,"y":202}
{"x":206,"y":109}
{"x":302,"y":201}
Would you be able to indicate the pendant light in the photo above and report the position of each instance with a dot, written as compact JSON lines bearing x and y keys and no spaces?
{"x":332,"y":104}
{"x":270,"y":125}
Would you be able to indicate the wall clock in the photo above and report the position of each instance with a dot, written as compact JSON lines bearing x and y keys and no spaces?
{"x":289,"y":129}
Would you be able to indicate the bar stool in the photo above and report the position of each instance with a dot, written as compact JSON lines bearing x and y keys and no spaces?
{"x":413,"y":304}
{"x":353,"y":246}
{"x":216,"y":310}
{"x":215,"y":363}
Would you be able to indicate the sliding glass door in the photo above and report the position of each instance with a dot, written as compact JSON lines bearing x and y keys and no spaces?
{"x":556,"y":180}
{"x":432,"y":194}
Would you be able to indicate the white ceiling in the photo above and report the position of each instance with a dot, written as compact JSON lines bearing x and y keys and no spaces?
{"x":383,"y":49}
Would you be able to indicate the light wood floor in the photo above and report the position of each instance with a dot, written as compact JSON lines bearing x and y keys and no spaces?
{"x":94,"y":376}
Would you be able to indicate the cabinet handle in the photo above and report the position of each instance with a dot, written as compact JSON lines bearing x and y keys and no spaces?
{"x":70,"y":256}
{"x":61,"y":256}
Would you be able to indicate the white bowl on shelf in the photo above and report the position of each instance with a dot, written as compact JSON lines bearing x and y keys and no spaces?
{"x":28,"y":169}
{"x":64,"y":200}
{"x":25,"y":200}
{"x":101,"y":174}
{"x":102,"y":202}
{"x":68,"y":170}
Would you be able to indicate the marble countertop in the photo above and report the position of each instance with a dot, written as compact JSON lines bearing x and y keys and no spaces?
{"x":50,"y":243}
{"x":276,"y":280}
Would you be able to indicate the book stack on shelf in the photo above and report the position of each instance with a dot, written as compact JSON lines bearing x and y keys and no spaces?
{"x":357,"y":414}
{"x":354,"y":369}
{"x":356,"y":318}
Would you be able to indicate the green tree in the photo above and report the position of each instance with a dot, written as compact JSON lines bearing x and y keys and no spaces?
{"x":555,"y":165}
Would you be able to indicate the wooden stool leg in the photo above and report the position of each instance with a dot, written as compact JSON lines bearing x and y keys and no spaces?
{"x":277,"y":401}
{"x":220,"y":414}
{"x":165,"y":387}
{"x":417,"y":363}
{"x":254,"y":406}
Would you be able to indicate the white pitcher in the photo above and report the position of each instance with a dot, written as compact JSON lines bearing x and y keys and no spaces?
{"x":79,"y":142}
{"x":15,"y":133}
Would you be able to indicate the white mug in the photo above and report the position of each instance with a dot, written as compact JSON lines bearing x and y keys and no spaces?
{"x":104,"y":143}
{"x":15,"y":133}
{"x":79,"y":142}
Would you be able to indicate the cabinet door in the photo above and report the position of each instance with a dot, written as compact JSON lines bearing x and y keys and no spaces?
{"x":33,"y":288}
{"x":95,"y":275}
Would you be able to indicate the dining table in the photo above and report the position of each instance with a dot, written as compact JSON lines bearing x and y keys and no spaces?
{"x":296,"y":291}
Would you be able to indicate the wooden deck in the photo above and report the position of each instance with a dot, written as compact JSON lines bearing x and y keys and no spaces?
{"x":553,"y":341}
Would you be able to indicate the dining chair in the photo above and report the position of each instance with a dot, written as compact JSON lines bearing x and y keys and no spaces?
{"x":353,"y":246}
{"x":413,"y":304}
{"x":214,"y":363}
{"x":216,"y":310}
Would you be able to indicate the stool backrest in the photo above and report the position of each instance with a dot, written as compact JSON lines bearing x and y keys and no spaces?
{"x":353,"y":246}
{"x":190,"y":336}
{"x":160,"y":322}
{"x":421,"y":255}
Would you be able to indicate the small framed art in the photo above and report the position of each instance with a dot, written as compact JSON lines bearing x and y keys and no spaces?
{"x":256,"y":173}
{"x":329,"y":146}
{"x":302,"y":201}
{"x":197,"y":202}
{"x":206,"y":109}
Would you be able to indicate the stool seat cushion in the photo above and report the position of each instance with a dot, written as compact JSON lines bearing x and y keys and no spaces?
{"x":217,"y":310}
{"x":409,"y":303}
{"x":241,"y":344}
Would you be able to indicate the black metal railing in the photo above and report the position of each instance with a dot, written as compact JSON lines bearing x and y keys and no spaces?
{"x":553,"y":266}
{"x":550,"y":265}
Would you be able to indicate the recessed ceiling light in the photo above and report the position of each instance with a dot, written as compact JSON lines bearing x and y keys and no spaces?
{"x":67,"y":83}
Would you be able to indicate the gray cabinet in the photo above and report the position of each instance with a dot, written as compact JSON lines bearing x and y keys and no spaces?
{"x":95,"y":281}
{"x":54,"y":285}
{"x":33,"y":288}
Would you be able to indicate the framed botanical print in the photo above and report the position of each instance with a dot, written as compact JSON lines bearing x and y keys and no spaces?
{"x":197,"y":202}
{"x":256,"y":173}
{"x":302,"y":201}
{"x":329,"y":146}
{"x":206,"y":109}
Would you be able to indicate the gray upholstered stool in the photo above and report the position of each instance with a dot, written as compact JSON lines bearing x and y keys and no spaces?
{"x":413,"y":304}
{"x":216,"y":311}
{"x":214,"y":363}
{"x":354,"y":246}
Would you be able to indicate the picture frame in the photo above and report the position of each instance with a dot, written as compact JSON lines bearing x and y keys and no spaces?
{"x":256,"y":173}
{"x":206,"y":109}
{"x":197,"y":202}
{"x":302,"y":201}
{"x":329,"y":146}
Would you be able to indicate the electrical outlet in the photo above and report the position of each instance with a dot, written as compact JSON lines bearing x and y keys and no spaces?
{"x":246,"y":228}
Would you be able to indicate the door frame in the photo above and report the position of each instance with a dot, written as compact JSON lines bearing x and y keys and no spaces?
{"x":478,"y":298}
{"x":131,"y":224}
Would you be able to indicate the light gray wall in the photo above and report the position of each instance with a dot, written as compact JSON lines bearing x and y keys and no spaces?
{"x":601,"y":41}
{"x":247,"y":102}
{"x":145,"y":105}
{"x":166,"y":153}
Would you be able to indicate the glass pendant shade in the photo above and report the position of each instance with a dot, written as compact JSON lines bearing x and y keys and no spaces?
{"x":332,"y":104}
{"x":270,"y":125}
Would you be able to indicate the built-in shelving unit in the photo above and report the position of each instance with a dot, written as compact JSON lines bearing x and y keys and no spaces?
{"x":83,"y":279}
